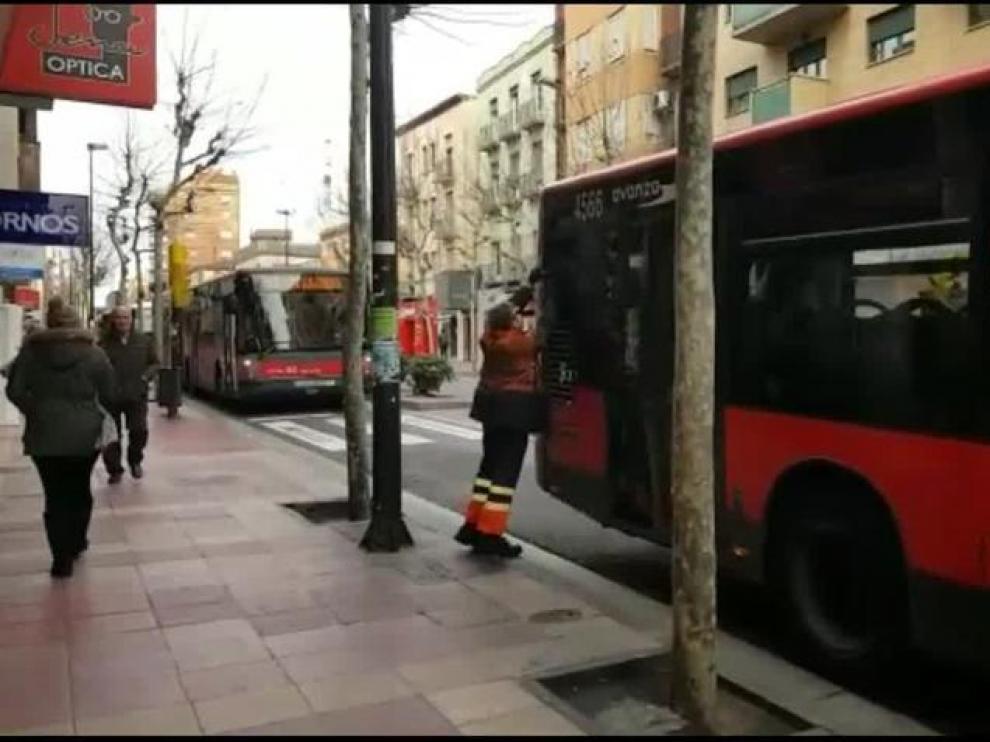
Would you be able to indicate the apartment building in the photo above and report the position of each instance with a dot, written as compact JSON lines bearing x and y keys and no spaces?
{"x":437,"y":194}
{"x":621,"y":64}
{"x":517,"y":149}
{"x":211,"y":231}
{"x":782,"y":60}
{"x":268,"y":248}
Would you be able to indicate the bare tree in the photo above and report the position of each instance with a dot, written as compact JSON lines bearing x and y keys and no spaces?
{"x":355,"y":413}
{"x":693,"y":566}
{"x":205,"y":131}
{"x":416,"y":227}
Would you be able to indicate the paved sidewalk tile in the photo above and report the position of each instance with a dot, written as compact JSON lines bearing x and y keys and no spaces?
{"x":476,"y":703}
{"x":229,"y":680}
{"x":245,"y":710}
{"x":178,"y":720}
{"x":355,"y":689}
{"x":206,"y":645}
{"x":536,"y":721}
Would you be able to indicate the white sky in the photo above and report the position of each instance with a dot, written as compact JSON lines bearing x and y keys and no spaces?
{"x":305,"y":52}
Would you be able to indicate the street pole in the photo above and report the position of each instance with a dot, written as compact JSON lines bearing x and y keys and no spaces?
{"x":286,"y":213}
{"x":157,"y":306}
{"x":92,"y":245}
{"x":387,"y":531}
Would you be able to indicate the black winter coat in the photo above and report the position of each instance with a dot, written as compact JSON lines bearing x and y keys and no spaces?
{"x":55,"y":381}
{"x":132,"y":364}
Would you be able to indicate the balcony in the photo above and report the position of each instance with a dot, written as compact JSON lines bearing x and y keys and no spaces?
{"x":787,"y":97}
{"x":531,"y":114}
{"x":486,"y":137}
{"x":508,"y":126}
{"x":531,"y":183}
{"x":445,"y":225}
{"x":670,"y":53}
{"x":445,"y":172}
{"x":510,"y":271}
{"x":508,"y":192}
{"x":489,"y":200}
{"x":774,"y":24}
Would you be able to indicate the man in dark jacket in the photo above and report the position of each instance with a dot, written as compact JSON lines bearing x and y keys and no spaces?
{"x":134,"y":362}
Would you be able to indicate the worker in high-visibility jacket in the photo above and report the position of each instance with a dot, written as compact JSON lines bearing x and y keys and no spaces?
{"x":507,"y":405}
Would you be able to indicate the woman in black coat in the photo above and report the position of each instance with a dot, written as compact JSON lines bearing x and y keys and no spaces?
{"x":58,"y":381}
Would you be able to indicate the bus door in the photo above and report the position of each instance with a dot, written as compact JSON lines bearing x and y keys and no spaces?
{"x":229,"y":340}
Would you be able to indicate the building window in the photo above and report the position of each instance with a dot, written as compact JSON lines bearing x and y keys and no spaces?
{"x":616,"y":36}
{"x":615,"y":132}
{"x":514,"y":100}
{"x":809,"y":59}
{"x":737,"y":91}
{"x":536,"y":157}
{"x":493,"y":108}
{"x":493,"y":172}
{"x":536,"y":88}
{"x":584,"y":54}
{"x":433,"y":154}
{"x":891,"y":33}
{"x":651,"y":26}
{"x":978,"y":15}
{"x":409,"y":164}
{"x":514,"y":165}
{"x":426,"y":159}
{"x":582,"y":142}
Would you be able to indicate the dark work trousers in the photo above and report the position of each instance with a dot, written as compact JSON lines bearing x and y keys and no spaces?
{"x":136,"y":415}
{"x":68,"y":501}
{"x":503,"y":452}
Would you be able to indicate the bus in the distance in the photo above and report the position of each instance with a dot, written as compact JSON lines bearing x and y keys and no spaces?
{"x":267,"y":333}
{"x":852,"y":282}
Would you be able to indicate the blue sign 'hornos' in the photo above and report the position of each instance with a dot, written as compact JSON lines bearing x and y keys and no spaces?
{"x":56,"y":219}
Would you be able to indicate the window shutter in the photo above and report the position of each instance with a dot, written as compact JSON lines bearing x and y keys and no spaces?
{"x":741,"y":83}
{"x":806,"y":54}
{"x":893,"y":22}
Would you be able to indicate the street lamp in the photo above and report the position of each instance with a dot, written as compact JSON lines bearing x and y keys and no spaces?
{"x":286,"y":213}
{"x":92,"y":147}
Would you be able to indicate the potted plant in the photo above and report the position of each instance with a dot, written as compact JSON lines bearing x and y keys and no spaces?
{"x":426,"y":374}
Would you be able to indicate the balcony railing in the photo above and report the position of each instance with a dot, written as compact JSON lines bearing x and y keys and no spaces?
{"x":531,"y":114}
{"x":531,"y":183}
{"x":445,"y":172}
{"x":670,"y":53}
{"x":508,"y":126}
{"x":486,"y":137}
{"x":445,"y":225}
{"x":508,"y":192}
{"x":773,"y":24}
{"x":792,"y":95}
{"x":489,"y":200}
{"x":510,"y":271}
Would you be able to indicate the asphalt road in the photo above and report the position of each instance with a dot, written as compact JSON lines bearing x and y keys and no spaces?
{"x":441,"y":450}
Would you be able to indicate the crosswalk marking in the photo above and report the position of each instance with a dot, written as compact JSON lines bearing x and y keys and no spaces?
{"x":408,"y":439}
{"x":439,"y":427}
{"x":308,"y":435}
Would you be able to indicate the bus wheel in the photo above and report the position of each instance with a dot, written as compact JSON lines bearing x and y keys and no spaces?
{"x":838,"y":568}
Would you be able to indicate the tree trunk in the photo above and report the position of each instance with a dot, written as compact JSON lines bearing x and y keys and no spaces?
{"x":139,"y":297}
{"x":355,"y":411}
{"x":694,"y":674}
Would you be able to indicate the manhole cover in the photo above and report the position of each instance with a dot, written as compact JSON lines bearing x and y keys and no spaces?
{"x":320,"y":511}
{"x":557,"y":615}
{"x":632,"y":698}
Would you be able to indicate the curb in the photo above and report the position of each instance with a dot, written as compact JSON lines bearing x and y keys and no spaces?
{"x":821,"y":703}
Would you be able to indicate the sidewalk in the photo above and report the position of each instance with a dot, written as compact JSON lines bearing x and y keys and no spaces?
{"x":453,"y":395}
{"x":203,"y":606}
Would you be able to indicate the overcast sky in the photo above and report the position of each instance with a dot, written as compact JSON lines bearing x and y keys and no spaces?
{"x":304,"y":51}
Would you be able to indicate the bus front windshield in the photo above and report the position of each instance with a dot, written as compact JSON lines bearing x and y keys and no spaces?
{"x":299,"y":314}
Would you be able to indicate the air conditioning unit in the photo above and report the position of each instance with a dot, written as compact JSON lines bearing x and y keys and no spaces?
{"x":661,"y":101}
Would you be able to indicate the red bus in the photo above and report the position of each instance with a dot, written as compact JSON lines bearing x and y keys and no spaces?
{"x":273,"y":332}
{"x":852,"y":281}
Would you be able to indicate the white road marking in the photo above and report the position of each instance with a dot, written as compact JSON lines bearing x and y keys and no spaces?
{"x":436,"y":426}
{"x":306,"y":434}
{"x":408,"y":439}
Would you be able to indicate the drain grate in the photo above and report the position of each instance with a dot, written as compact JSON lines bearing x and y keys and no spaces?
{"x":320,"y":511}
{"x":631,"y":698}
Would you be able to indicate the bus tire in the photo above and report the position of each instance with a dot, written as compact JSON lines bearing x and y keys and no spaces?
{"x":836,"y":567}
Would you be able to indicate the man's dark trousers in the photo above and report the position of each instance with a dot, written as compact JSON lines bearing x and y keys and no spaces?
{"x":135,"y":413}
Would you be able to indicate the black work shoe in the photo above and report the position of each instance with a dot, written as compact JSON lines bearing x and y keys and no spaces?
{"x":116,"y":477}
{"x":136,"y":471}
{"x":61,"y":568}
{"x":468,"y":535}
{"x":496,"y":546}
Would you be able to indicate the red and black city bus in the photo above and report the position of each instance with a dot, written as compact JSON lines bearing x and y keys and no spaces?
{"x":267,"y":332}
{"x":852,"y":258}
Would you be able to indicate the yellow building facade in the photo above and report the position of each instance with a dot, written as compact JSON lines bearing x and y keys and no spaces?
{"x":211,"y":232}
